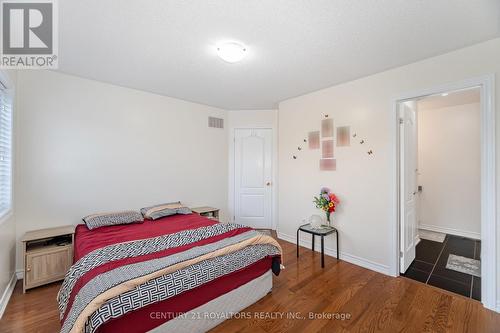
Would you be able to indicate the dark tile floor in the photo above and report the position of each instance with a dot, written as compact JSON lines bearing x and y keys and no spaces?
{"x":429,"y":265}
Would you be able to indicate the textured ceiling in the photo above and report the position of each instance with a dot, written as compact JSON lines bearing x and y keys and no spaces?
{"x":295,"y":47}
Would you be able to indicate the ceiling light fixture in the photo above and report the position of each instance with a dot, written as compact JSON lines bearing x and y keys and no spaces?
{"x":231,"y":51}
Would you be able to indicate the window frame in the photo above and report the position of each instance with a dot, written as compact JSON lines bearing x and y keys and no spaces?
{"x":7,"y":86}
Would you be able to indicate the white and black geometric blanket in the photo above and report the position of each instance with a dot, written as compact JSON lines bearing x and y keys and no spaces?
{"x":157,"y":289}
{"x":136,"y":248}
{"x":173,"y":284}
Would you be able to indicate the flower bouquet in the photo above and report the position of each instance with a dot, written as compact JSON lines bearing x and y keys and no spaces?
{"x":327,"y":201}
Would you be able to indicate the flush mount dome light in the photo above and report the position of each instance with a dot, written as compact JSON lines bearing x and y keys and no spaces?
{"x":231,"y":51}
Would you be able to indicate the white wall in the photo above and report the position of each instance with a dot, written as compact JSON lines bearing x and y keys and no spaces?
{"x":364,"y":183}
{"x":7,"y":256}
{"x":252,"y":119}
{"x":8,"y":222}
{"x":86,"y":146}
{"x":449,"y":159}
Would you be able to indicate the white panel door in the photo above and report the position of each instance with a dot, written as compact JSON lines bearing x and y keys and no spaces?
{"x":253,"y":175}
{"x":408,"y":181}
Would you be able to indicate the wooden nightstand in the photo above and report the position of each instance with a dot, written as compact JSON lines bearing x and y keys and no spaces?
{"x":208,"y":212}
{"x":47,"y":255}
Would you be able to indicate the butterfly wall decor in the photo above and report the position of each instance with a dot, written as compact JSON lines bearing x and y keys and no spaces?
{"x":324,"y":139}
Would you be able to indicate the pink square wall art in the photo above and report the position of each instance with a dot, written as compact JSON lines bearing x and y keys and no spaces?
{"x":327,"y":149}
{"x":343,"y":136}
{"x":313,"y":138}
{"x":327,"y":128}
{"x":327,"y":164}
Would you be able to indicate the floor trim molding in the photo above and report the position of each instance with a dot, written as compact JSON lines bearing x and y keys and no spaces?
{"x":365,"y":263}
{"x":451,"y":231}
{"x":7,"y":293}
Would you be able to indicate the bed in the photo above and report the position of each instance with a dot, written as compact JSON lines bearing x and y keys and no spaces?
{"x":182,"y":273}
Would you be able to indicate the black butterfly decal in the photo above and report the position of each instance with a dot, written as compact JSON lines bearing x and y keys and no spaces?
{"x":362,"y":141}
{"x":354,"y":135}
{"x":299,"y":148}
{"x":294,"y":157}
{"x":370,"y":152}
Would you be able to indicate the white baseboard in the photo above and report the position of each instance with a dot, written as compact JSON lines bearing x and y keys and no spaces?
{"x":374,"y":266}
{"x":7,"y":293}
{"x":451,"y":231}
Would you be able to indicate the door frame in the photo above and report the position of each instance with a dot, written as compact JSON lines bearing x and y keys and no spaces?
{"x":486,"y":84}
{"x":274,"y":176}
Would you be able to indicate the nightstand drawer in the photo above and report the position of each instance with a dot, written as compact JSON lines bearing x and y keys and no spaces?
{"x":47,"y":265}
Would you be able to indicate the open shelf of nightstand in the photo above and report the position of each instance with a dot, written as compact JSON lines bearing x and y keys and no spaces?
{"x":208,"y":212}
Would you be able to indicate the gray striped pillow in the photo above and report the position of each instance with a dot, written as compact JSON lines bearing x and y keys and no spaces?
{"x":106,"y":219}
{"x":166,"y":209}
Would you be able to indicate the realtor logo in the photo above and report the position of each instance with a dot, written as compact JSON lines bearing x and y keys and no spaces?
{"x":29,"y":36}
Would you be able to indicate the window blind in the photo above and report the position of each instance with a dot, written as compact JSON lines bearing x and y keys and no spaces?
{"x":5,"y":152}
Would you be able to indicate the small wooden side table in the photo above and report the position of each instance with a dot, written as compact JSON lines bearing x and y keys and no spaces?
{"x":323,"y":231}
{"x":47,"y":255}
{"x":208,"y":212}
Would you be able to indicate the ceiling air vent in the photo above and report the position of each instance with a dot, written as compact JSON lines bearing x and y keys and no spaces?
{"x":215,"y":122}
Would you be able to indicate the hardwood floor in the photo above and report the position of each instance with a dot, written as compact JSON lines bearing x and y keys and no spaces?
{"x":35,"y":311}
{"x":374,"y":302}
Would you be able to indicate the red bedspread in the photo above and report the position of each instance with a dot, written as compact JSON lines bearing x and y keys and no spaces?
{"x":89,"y":240}
{"x":156,"y":314}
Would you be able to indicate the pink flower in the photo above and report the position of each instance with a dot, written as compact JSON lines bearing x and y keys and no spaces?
{"x":334,"y":198}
